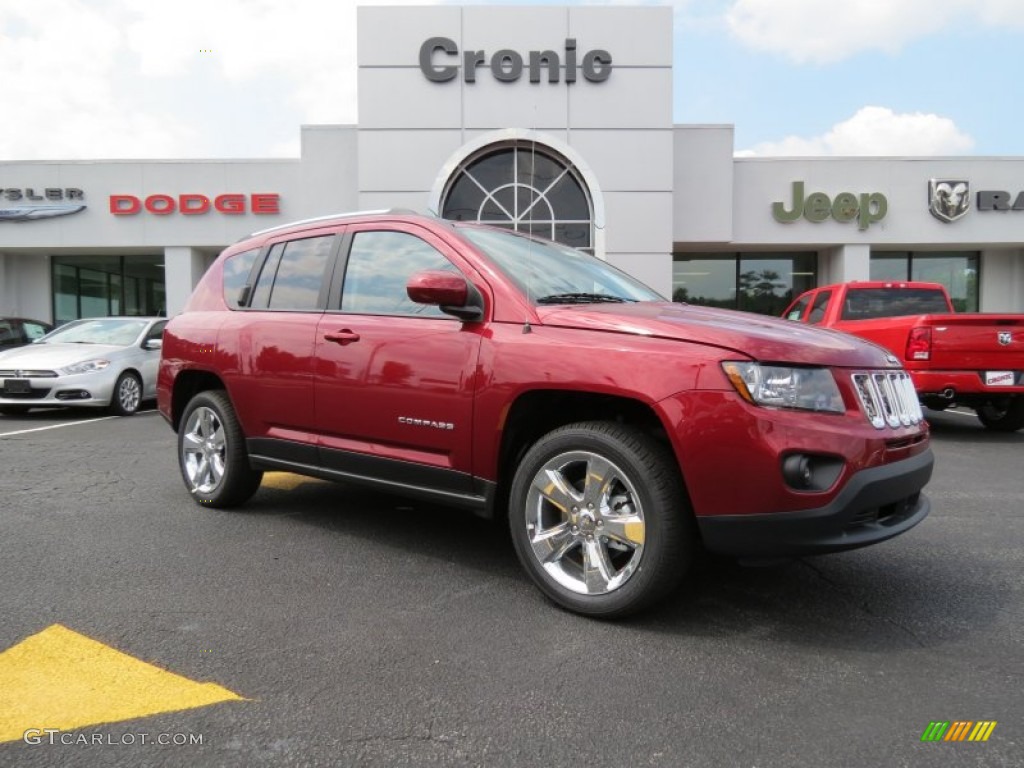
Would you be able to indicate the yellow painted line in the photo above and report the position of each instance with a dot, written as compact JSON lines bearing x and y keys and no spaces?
{"x":286,"y":481}
{"x":63,"y":680}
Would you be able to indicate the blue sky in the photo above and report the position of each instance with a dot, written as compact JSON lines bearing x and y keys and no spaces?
{"x":962,"y":71}
{"x":236,"y":78}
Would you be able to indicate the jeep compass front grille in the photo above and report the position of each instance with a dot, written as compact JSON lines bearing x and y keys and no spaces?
{"x":888,"y":399}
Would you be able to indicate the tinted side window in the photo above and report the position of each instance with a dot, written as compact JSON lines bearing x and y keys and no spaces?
{"x":820,"y":305}
{"x":9,"y":335}
{"x":33,"y":331}
{"x":301,"y":273}
{"x":797,"y":312}
{"x":156,"y":332}
{"x":379,"y":266}
{"x":261,"y":293}
{"x":236,"y":272}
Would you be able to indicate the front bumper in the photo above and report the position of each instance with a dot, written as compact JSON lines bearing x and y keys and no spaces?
{"x":84,"y":389}
{"x":876,"y":504}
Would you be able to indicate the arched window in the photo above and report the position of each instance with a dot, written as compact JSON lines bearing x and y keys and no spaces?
{"x":522,"y":186}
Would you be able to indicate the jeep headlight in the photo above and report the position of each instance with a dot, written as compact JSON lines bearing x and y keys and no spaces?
{"x":87,"y":366}
{"x":779,"y":386}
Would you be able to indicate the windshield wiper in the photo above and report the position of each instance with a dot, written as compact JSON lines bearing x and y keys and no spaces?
{"x":580,"y":298}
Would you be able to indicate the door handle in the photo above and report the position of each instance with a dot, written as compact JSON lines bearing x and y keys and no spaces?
{"x":342,"y":337}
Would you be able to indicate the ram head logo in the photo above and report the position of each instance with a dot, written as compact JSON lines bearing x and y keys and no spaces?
{"x":948,"y":199}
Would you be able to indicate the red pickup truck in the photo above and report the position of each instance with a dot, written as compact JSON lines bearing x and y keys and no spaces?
{"x":611,"y":429}
{"x":970,"y":359}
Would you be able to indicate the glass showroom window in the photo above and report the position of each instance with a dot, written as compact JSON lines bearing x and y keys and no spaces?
{"x":94,"y":286}
{"x":956,"y":270}
{"x":754,"y":282}
{"x":524,"y":187}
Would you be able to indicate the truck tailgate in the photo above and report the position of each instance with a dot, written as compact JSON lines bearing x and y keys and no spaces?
{"x":977,"y":342}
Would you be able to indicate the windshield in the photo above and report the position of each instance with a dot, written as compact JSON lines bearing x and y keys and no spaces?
{"x":108,"y":330}
{"x":549,"y":273}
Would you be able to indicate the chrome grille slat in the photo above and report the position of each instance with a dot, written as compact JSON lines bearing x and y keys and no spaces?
{"x":888,"y":399}
{"x":18,"y":373}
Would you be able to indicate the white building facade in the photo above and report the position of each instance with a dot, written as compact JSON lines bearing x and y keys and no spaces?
{"x":556,"y":121}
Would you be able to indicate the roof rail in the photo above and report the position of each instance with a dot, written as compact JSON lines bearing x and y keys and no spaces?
{"x":332,"y":216}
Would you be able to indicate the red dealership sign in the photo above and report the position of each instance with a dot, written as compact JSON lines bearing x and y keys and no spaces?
{"x":194,"y":204}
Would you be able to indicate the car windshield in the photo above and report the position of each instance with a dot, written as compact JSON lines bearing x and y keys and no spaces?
{"x":549,"y":273}
{"x":109,"y":330}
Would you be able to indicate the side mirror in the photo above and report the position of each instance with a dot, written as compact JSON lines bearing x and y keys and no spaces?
{"x":448,"y":291}
{"x":153,"y":344}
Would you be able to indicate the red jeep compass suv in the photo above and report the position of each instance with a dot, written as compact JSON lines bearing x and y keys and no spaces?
{"x":519,"y":378}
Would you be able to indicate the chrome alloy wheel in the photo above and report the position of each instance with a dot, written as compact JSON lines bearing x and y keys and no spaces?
{"x":203,"y":450}
{"x":129,"y":394}
{"x":585,"y":522}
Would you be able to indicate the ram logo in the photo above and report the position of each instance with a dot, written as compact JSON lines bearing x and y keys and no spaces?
{"x":948,"y":199}
{"x":1005,"y":337}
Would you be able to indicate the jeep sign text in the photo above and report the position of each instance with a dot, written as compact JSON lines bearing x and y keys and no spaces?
{"x":866,"y":208}
{"x":507,"y":65}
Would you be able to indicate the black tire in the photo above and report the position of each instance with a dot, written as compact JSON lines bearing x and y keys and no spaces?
{"x":127,"y":395}
{"x":13,"y":410}
{"x":612,"y":546}
{"x":1002,"y":416}
{"x":212,"y":455}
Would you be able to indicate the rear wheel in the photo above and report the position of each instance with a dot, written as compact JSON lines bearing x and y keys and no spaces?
{"x":212,"y":454}
{"x":1005,"y":415}
{"x":599,"y":519}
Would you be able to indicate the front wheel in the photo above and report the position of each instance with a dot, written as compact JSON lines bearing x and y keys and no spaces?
{"x":212,"y":454}
{"x":127,"y":394}
{"x":1006,"y":415}
{"x":599,"y":519}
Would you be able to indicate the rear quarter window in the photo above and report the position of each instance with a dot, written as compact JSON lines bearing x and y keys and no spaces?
{"x":236,"y":274}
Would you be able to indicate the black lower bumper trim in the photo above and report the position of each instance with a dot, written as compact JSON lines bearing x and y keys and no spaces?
{"x":875,"y":505}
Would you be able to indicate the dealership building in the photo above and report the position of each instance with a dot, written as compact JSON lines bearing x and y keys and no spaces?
{"x":556,"y":121}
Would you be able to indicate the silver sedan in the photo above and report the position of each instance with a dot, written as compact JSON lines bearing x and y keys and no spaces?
{"x":97,"y":362}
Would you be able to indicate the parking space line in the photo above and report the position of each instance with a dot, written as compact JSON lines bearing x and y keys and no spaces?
{"x":55,"y":426}
{"x":60,"y":679}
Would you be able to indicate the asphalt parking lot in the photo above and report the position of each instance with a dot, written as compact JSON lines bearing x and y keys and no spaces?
{"x":335,"y":626}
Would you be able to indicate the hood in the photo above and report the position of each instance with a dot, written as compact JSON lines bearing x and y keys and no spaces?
{"x":760,"y":337}
{"x":38,"y":357}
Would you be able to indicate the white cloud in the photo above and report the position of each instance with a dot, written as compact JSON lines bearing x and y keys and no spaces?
{"x":311,"y":43}
{"x":811,"y":31}
{"x":875,"y":131}
{"x":130,"y":79}
{"x":59,"y":93}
